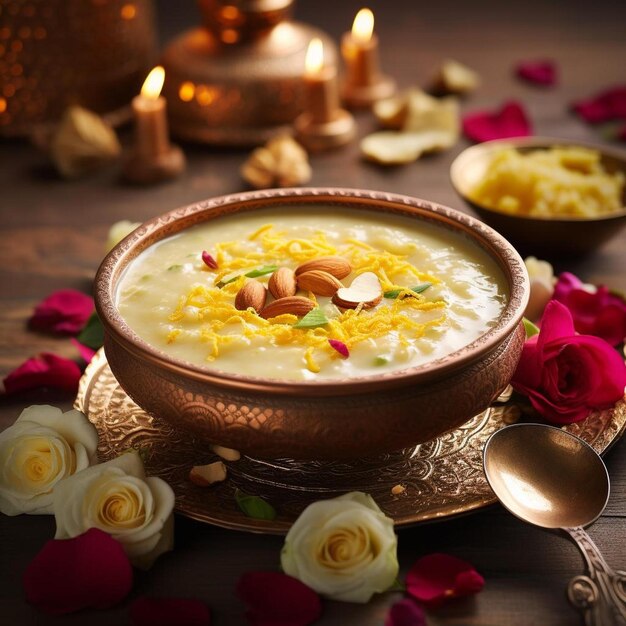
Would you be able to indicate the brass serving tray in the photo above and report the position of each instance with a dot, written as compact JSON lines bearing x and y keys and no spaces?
{"x":441,"y":478}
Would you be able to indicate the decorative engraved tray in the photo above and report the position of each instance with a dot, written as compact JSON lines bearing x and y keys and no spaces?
{"x":443,"y":477}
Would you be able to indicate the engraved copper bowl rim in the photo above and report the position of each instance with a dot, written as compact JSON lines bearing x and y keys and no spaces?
{"x":158,"y":228}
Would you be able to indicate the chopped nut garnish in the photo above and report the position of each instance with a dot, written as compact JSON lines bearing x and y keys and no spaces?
{"x":205,"y":475}
{"x":281,"y":162}
{"x":228,"y":454}
{"x":396,"y":490}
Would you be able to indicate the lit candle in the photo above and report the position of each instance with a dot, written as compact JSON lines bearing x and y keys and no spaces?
{"x":153,"y":157}
{"x":364,"y":84}
{"x":324,"y":124}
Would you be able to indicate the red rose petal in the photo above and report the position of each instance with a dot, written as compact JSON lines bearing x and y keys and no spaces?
{"x":435,"y":578}
{"x":510,"y":121}
{"x":605,"y":106}
{"x":65,"y":311}
{"x":275,"y":599}
{"x":538,"y":72}
{"x":340,"y":346}
{"x":88,"y":571}
{"x":405,"y":613}
{"x":45,"y":370}
{"x":209,"y":260}
{"x":86,"y":353}
{"x":169,"y":612}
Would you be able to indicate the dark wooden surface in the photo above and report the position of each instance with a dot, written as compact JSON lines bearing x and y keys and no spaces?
{"x":52,"y":235}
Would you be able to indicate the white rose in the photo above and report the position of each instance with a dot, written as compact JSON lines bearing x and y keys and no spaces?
{"x":43,"y":447}
{"x":344,"y":548}
{"x":116,"y":497}
{"x":118,"y":231}
{"x":541,"y":276}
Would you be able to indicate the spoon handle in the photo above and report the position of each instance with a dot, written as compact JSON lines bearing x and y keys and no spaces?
{"x":601,"y":595}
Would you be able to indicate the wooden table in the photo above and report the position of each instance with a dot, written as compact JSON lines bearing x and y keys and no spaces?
{"x":52,"y":236}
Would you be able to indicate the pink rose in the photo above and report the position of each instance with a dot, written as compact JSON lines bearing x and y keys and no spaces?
{"x":600,"y":312}
{"x":565,"y":375}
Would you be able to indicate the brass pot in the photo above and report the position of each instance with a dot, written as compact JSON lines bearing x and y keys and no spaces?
{"x":328,"y":419}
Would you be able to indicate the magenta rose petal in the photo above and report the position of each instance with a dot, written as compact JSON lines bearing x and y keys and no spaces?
{"x":538,"y":72}
{"x":169,"y":612}
{"x":64,"y":312}
{"x":88,"y":571}
{"x":509,"y":121}
{"x":45,"y":370}
{"x":605,"y":106}
{"x":275,"y":599}
{"x":405,"y":613}
{"x":436,"y":578}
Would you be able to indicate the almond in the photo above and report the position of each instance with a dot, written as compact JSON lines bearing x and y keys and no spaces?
{"x":319,"y":282}
{"x":335,"y":265}
{"x":282,"y":283}
{"x":252,"y":294}
{"x":365,"y":289}
{"x":295,"y":305}
{"x":205,"y":475}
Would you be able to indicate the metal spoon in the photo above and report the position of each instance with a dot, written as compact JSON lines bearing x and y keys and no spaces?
{"x":553,"y":479}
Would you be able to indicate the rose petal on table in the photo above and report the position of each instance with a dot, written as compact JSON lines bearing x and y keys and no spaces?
{"x":538,"y":72}
{"x":146,"y":611}
{"x":64,"y":312}
{"x":86,"y":353}
{"x":44,"y":370}
{"x":438,"y":577}
{"x":509,"y":121}
{"x":406,"y":613}
{"x":89,"y":571}
{"x":275,"y":599}
{"x":607,"y":105}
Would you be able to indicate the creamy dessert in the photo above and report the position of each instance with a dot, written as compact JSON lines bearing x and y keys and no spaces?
{"x":304,"y":294}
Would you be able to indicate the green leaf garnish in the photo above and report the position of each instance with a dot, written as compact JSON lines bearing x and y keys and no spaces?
{"x":530,"y":328}
{"x":255,"y":507}
{"x":394,"y":293}
{"x":312,"y":319}
{"x":381,"y":360}
{"x":92,"y":335}
{"x":175,"y":267}
{"x":262,"y":271}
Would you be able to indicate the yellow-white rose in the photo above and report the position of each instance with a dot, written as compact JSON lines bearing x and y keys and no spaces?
{"x":541,"y":276}
{"x":43,"y":447}
{"x":344,"y":548}
{"x":116,"y":497}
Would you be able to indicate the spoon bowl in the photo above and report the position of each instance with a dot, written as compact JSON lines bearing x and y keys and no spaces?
{"x":546,"y":476}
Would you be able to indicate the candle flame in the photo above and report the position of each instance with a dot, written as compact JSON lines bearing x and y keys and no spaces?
{"x":154,"y":83}
{"x":363,"y":25}
{"x":314,"y":60}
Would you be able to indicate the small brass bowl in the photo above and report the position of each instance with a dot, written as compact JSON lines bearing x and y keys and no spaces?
{"x":544,"y":236}
{"x":326,"y":419}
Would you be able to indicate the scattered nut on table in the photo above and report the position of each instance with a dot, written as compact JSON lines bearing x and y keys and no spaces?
{"x":282,"y":162}
{"x":205,"y":475}
{"x":228,"y":454}
{"x":455,"y":78}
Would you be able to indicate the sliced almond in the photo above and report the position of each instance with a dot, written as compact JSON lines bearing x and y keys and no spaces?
{"x":205,"y":475}
{"x":335,"y":265}
{"x":396,"y":148}
{"x":282,"y":283}
{"x":319,"y":282}
{"x":228,"y":454}
{"x":365,"y":289}
{"x":252,"y":295}
{"x":294,"y":305}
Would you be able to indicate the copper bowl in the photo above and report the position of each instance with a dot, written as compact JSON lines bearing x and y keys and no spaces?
{"x":329,"y":419}
{"x":543,"y":236}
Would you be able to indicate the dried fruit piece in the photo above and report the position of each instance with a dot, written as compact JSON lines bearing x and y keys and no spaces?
{"x":395,"y":148}
{"x":281,"y":162}
{"x":294,"y":305}
{"x":426,"y":113}
{"x":319,"y":282}
{"x":313,"y":319}
{"x":82,"y":142}
{"x":455,"y":78}
{"x":252,"y":295}
{"x":335,"y":265}
{"x":205,"y":475}
{"x":340,"y":347}
{"x":282,"y":283}
{"x":209,"y":261}
{"x":228,"y":454}
{"x":365,"y":289}
{"x":391,"y":112}
{"x":396,"y":490}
